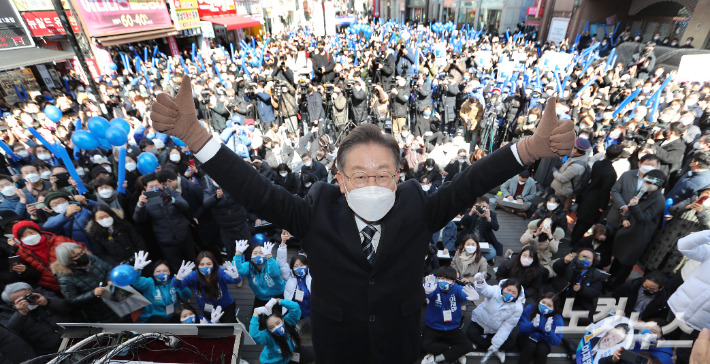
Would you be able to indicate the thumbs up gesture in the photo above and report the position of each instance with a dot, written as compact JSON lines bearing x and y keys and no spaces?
{"x":552,"y":138}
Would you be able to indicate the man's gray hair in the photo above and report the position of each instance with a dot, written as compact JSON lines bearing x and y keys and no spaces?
{"x":12,"y":288}
{"x":64,"y":252}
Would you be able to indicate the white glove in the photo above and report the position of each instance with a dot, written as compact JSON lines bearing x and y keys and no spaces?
{"x":536,"y":321}
{"x":470,"y":293}
{"x":272,"y":302}
{"x":429,"y":284}
{"x":264,"y":310}
{"x":267,"y":248}
{"x":548,"y":324}
{"x":242,"y":245}
{"x":204,"y":321}
{"x":479,"y":277}
{"x":185,"y":270}
{"x":141,"y":260}
{"x":231,"y":270}
{"x":216,"y":314}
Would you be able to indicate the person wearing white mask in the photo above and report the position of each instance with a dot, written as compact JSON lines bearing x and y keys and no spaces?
{"x":671,"y":150}
{"x":365,"y":215}
{"x":524,"y":267}
{"x":286,"y":179}
{"x":626,"y":187}
{"x":107,"y":194}
{"x":427,"y":186}
{"x":71,"y":217}
{"x":517,"y":194}
{"x":544,"y":235}
{"x":43,"y":154}
{"x":469,"y":259}
{"x":695,"y":179}
{"x":175,"y":158}
{"x":33,"y":182}
{"x":115,"y":240}
{"x":14,"y":199}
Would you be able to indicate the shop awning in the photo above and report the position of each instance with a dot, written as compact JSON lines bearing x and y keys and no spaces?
{"x":233,"y":21}
{"x":136,"y":37}
{"x":29,"y":56}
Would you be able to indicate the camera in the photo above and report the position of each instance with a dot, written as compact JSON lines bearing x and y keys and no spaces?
{"x":329,"y":89}
{"x":303,"y":86}
{"x":405,"y":66}
{"x":205,"y":94}
{"x":250,"y":88}
{"x":31,"y":298}
{"x":480,"y":209}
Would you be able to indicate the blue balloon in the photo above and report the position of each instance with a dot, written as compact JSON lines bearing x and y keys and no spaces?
{"x":113,"y":66}
{"x":53,"y":113}
{"x":116,"y":136}
{"x":179,"y":142}
{"x":82,"y":139}
{"x":98,"y":126}
{"x":147,"y":163}
{"x":103,"y":144}
{"x":121,"y":123}
{"x":123,"y":275}
{"x":260,"y":239}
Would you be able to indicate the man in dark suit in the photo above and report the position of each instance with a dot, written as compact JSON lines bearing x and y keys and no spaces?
{"x":595,"y":197}
{"x":626,"y":188}
{"x":366,"y":237}
{"x":671,"y":150}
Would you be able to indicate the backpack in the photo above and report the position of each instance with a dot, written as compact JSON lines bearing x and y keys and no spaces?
{"x":583,"y":181}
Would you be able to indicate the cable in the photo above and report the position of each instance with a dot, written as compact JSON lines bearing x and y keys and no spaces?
{"x":79,"y":345}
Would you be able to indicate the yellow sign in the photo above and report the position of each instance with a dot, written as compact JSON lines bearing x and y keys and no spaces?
{"x":185,"y":4}
{"x":129,"y":20}
{"x":37,"y":5}
{"x":187,"y":19}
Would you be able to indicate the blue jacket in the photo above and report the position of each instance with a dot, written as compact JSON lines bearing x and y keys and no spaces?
{"x":272,"y":352}
{"x":526,"y":327}
{"x":13,"y":204}
{"x":263,"y":105}
{"x":160,"y":296}
{"x":688,"y":185}
{"x":440,"y":301}
{"x":73,"y":227}
{"x":224,"y":298}
{"x":448,"y":240}
{"x":665,"y":355}
{"x":266,"y":284}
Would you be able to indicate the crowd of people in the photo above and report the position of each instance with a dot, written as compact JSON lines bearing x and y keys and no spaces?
{"x":634,"y":192}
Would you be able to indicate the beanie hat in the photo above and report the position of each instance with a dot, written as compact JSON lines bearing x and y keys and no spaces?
{"x":582,"y":144}
{"x":21,"y":226}
{"x":53,"y":196}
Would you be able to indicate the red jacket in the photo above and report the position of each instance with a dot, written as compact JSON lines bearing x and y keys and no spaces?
{"x":47,"y":279}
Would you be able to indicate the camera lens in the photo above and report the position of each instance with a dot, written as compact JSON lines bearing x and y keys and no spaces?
{"x":31,"y":297}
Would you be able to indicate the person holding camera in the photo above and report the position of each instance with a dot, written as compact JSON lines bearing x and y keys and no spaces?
{"x":480,"y":222}
{"x":423,"y":92}
{"x":472,"y":113}
{"x":400,"y":99}
{"x":359,"y":101}
{"x":287,"y":105}
{"x":451,"y":90}
{"x":72,"y":216}
{"x":264,"y":105}
{"x":34,"y":313}
{"x":340,"y":111}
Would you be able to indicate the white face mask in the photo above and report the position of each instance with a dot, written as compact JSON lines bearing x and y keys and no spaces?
{"x":130,"y":167}
{"x":551,"y":206}
{"x":308,"y":184}
{"x":429,"y":168}
{"x":696,"y":145}
{"x":80,"y":171}
{"x":645,"y":169}
{"x":9,"y":191}
{"x":371,"y":203}
{"x":45,"y":175}
{"x":22,"y":153}
{"x":401,"y":83}
{"x":521,"y":182}
{"x":107,"y":222}
{"x":687,"y":120}
{"x":175,"y":157}
{"x":105,"y":193}
{"x":308,"y":164}
{"x":44,"y":156}
{"x":614,"y":134}
{"x":284,"y":174}
{"x":470,"y":249}
{"x":61,"y":208}
{"x":525,"y":261}
{"x":108,"y":169}
{"x":532,"y":117}
{"x":32,"y":177}
{"x":32,"y":239}
{"x":426,"y":187}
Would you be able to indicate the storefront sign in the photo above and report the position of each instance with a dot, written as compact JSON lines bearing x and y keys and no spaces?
{"x":13,"y":33}
{"x":108,"y":17}
{"x":44,"y":23}
{"x":35,"y":5}
{"x":376,"y":8}
{"x":91,"y":65}
{"x":173,"y":46}
{"x":185,"y":4}
{"x":492,"y":4}
{"x":187,"y":19}
{"x":416,"y":3}
{"x":216,"y":7}
{"x":207,"y":29}
{"x":48,"y":44}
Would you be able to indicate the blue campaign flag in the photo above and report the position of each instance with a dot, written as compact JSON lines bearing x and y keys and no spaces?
{"x":121,"y":170}
{"x":626,"y":101}
{"x":657,"y":94}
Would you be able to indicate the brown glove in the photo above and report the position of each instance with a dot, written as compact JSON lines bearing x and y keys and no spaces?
{"x":551,"y":139}
{"x":176,"y":116}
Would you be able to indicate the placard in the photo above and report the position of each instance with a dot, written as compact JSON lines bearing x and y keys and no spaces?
{"x":187,"y":19}
{"x":550,"y":60}
{"x":604,"y":338}
{"x":558,"y":30}
{"x":46,"y":77}
{"x":45,"y":23}
{"x":694,"y":68}
{"x":109,"y":17}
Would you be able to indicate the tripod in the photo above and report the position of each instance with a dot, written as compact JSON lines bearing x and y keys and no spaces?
{"x":490,"y":130}
{"x":349,"y":124}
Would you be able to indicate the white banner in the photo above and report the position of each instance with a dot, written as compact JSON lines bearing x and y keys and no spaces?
{"x":46,"y":77}
{"x":694,"y":68}
{"x":558,"y":30}
{"x":318,"y":22}
{"x":329,"y":14}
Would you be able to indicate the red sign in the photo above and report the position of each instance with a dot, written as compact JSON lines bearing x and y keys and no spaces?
{"x":173,"y":46}
{"x":44,"y":23}
{"x":108,"y":17}
{"x":216,"y":7}
{"x":532,"y":10}
{"x":90,"y":64}
{"x":376,"y":8}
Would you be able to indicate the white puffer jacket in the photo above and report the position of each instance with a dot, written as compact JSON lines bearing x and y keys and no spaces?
{"x":693,"y":296}
{"x":287,"y":274}
{"x":496,"y":316}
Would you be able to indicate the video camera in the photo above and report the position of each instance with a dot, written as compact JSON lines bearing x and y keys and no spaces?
{"x":348,"y":88}
{"x":303,"y":86}
{"x":205,"y":94}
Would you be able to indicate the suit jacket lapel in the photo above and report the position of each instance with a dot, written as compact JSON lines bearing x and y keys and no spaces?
{"x":345,"y":223}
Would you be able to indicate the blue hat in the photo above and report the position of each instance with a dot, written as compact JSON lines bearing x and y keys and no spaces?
{"x":582,"y":144}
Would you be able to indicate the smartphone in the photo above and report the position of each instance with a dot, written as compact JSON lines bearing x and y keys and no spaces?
{"x":62,"y":180}
{"x":38,"y":205}
{"x":153,"y":197}
{"x":191,"y":163}
{"x":633,"y":358}
{"x":701,"y":200}
{"x":13,"y":261}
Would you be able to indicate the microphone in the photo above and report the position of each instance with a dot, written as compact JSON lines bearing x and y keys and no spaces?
{"x":641,"y":191}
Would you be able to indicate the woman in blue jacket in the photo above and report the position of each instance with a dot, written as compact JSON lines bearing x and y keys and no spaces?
{"x":281,"y":341}
{"x":209,"y":283}
{"x":157,"y":289}
{"x":262,"y":272}
{"x":536,"y":333}
{"x":71,"y":218}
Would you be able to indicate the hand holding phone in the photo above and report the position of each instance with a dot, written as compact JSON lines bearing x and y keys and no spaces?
{"x":633,"y":358}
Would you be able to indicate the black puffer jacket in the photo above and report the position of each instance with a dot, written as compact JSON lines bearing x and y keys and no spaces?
{"x":119,"y":246}
{"x":13,"y":348}
{"x":39,"y":326}
{"x":290,"y":183}
{"x":168,"y":219}
{"x":77,"y":285}
{"x":229,"y":214}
